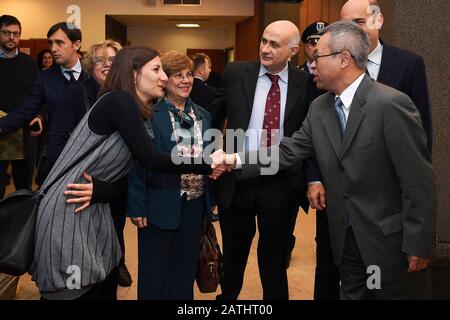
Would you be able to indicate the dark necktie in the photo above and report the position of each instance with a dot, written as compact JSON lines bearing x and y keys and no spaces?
{"x":271,"y":124}
{"x":70,"y":73}
{"x":340,"y":113}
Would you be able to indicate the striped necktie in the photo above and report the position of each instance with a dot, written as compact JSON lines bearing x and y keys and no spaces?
{"x":340,"y":113}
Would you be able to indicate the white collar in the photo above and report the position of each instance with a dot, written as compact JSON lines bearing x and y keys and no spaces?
{"x":77,"y":67}
{"x":375,"y":55}
{"x":199,"y":78}
{"x":283,"y":74}
{"x":3,"y":54}
{"x":349,"y":93}
{"x":309,"y":66}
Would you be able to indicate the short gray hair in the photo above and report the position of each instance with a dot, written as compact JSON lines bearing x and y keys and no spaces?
{"x":348,"y":36}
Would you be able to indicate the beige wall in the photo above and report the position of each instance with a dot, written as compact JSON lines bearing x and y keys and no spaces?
{"x":37,"y":16}
{"x":178,"y":39}
{"x":231,"y":35}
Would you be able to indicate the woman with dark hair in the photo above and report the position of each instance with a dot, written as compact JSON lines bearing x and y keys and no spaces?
{"x":76,"y":253}
{"x":78,"y":98}
{"x":45,"y":59}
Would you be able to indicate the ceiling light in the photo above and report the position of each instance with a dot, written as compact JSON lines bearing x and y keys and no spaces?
{"x":188,"y":25}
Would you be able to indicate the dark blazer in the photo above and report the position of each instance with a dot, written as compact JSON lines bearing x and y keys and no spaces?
{"x":379,"y":176}
{"x":68,"y":113}
{"x":304,"y":67}
{"x":202,"y":94}
{"x":48,"y":89}
{"x":405,"y":71}
{"x":157,"y":195}
{"x":235,"y":101}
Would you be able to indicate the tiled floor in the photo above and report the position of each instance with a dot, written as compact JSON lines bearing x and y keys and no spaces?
{"x":300,"y":272}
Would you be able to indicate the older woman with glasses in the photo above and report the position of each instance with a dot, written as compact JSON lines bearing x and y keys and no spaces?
{"x":169,"y":209}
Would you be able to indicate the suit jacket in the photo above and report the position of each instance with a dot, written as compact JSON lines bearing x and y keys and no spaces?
{"x":157,"y":195}
{"x":202,"y":94}
{"x":405,"y":71}
{"x":379,"y":175}
{"x":235,"y":101}
{"x":48,"y":89}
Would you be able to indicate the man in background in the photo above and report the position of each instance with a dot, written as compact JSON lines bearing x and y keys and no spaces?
{"x":201,"y":93}
{"x":326,"y":277}
{"x":18,"y":72}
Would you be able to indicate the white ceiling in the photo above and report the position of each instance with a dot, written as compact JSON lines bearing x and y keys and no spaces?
{"x":206,"y":22}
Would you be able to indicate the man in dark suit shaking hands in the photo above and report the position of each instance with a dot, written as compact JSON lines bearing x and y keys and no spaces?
{"x":258,"y":97}
{"x":395,"y":67}
{"x":372,"y":152}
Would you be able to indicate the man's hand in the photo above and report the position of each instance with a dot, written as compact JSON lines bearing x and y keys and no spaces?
{"x":316,"y":196}
{"x":218,"y":171}
{"x":139,"y":222}
{"x":222,"y":162}
{"x":417,"y":264}
{"x":82,"y":193}
{"x":37,"y":120}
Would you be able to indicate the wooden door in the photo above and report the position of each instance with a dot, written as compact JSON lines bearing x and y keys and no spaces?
{"x":314,"y":10}
{"x":32,"y":47}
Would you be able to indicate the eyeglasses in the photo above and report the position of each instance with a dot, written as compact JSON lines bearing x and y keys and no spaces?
{"x":316,"y":57}
{"x":6,"y":33}
{"x":100,"y":61}
{"x":179,"y":76}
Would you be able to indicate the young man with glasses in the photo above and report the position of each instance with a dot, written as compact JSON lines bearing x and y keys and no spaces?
{"x":18,"y":71}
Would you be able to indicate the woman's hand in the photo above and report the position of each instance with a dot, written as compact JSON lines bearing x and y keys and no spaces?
{"x":81,"y":192}
{"x":140,"y":222}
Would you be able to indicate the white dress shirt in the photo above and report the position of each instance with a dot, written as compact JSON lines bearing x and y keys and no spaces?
{"x":309,"y":66}
{"x":374,"y":61}
{"x":263,"y":84}
{"x":76,"y":71}
{"x":3,"y":54}
{"x":348,"y":94}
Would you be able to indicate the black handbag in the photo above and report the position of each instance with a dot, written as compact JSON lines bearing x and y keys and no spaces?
{"x":209,"y":261}
{"x":18,"y":214}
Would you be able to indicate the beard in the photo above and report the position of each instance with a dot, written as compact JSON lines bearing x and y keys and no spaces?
{"x":8,"y":46}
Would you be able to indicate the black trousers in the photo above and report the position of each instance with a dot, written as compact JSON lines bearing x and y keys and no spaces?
{"x":118,"y":213}
{"x":326,"y":281}
{"x":354,"y":276}
{"x":167,"y":262}
{"x":271,"y":200}
{"x":105,"y":290}
{"x":22,"y":170}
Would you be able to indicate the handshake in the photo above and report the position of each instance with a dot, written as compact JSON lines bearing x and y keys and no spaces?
{"x":222,"y":162}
